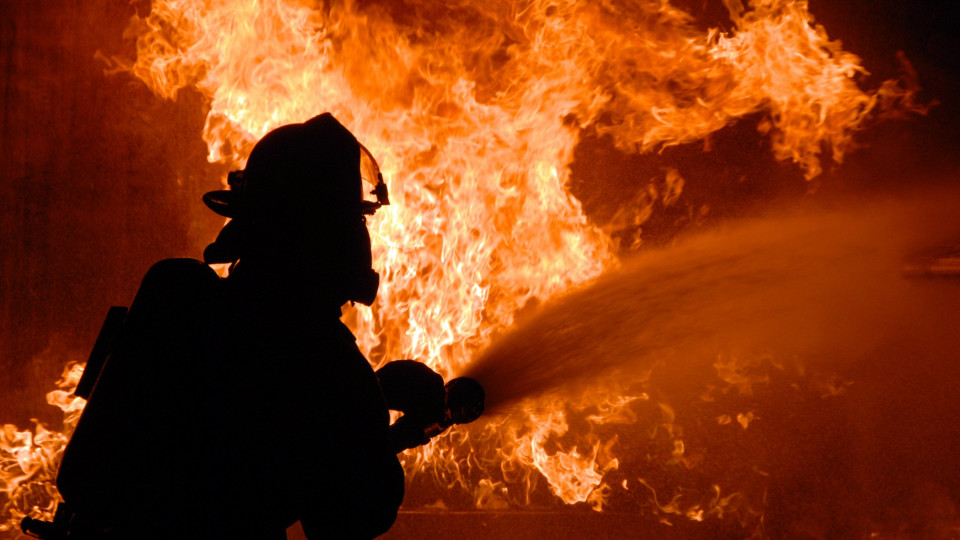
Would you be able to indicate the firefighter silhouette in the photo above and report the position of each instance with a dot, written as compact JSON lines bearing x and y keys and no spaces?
{"x":233,"y":407}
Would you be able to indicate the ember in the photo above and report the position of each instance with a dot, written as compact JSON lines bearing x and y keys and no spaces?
{"x":670,"y":384}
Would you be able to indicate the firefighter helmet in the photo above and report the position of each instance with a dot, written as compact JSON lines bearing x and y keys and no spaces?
{"x":303,"y":181}
{"x":317,"y":166}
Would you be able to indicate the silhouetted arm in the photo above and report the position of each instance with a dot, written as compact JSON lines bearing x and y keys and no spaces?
{"x":417,"y":391}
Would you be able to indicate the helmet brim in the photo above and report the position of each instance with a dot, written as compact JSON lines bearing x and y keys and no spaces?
{"x":223,"y":202}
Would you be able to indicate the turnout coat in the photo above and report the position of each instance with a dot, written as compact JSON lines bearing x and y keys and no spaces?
{"x":226,"y":410}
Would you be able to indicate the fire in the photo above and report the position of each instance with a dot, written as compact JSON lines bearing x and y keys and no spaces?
{"x":474,"y":112}
{"x":29,"y":460}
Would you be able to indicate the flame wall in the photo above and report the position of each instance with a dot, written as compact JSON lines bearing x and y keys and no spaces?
{"x":100,"y":178}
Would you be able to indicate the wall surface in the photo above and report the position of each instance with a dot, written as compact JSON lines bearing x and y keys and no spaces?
{"x":98,"y":179}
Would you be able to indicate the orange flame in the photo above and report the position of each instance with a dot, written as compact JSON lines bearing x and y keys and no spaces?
{"x":29,"y":461}
{"x":474,"y":112}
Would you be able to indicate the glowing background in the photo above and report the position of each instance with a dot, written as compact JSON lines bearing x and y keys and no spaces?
{"x":100,"y":170}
